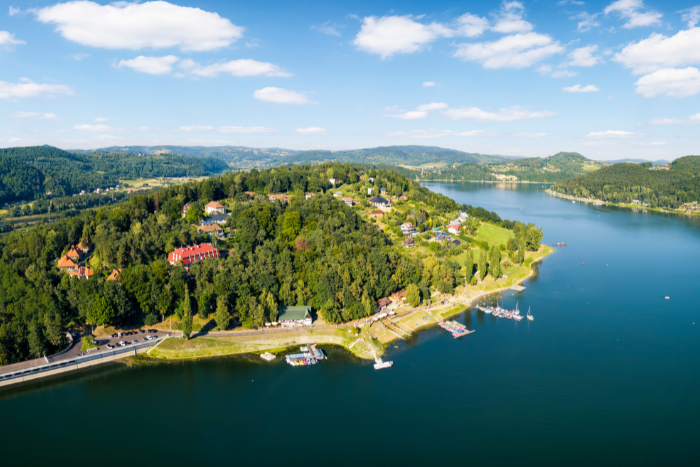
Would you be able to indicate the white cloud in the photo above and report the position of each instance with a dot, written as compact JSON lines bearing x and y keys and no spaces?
{"x":583,"y":56}
{"x":504,"y":115}
{"x":658,"y":143}
{"x":327,"y":28}
{"x":672,"y":82}
{"x":87,"y":127}
{"x":564,"y":74}
{"x":544,"y":70}
{"x":150,"y":65}
{"x":515,"y":51}
{"x":570,"y":2}
{"x":659,"y":51}
{"x":196,"y":128}
{"x":246,"y":129}
{"x":101,"y":119}
{"x":242,"y":67}
{"x":613,"y":134}
{"x":7,"y":40}
{"x":79,"y":57}
{"x":313,"y":131}
{"x":429,"y":84}
{"x":469,"y":25}
{"x":420,"y":112}
{"x":691,"y":15}
{"x":281,"y":96}
{"x":46,"y":116}
{"x":510,"y":18}
{"x":629,"y":10}
{"x":578,"y":88}
{"x":28,"y":88}
{"x":432,"y":106}
{"x":391,"y":35}
{"x":694,"y":118}
{"x":587,"y":22}
{"x":530,"y":135}
{"x":135,"y":26}
{"x":14,"y":11}
{"x":410,"y":115}
{"x":667,"y":121}
{"x":141,"y":128}
{"x":433,"y":134}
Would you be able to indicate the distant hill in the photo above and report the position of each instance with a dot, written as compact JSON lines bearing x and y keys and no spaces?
{"x":625,"y":182}
{"x":639,"y":161}
{"x":31,"y":172}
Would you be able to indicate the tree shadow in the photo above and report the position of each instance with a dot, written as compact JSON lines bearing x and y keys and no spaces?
{"x":211,"y":324}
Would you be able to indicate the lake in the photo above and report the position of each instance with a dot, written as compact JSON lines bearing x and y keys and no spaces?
{"x":607,"y":373}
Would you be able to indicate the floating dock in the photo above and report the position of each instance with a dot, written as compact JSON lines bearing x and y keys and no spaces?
{"x":310,"y":356}
{"x":268,"y":356}
{"x":456,"y":329}
{"x":517,"y":288}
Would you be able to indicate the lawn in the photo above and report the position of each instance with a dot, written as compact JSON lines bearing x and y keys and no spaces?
{"x":494,"y":235}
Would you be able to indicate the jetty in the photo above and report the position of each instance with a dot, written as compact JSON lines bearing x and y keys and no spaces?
{"x":456,"y":329}
{"x":310,"y":356}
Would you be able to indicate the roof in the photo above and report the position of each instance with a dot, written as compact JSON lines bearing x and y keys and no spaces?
{"x":85,"y":244}
{"x":379,"y":200}
{"x":116,"y":274}
{"x":66,"y":262}
{"x":347,"y":198}
{"x":382,"y":302}
{"x":454,"y":226}
{"x":74,"y":252}
{"x":376,"y":212}
{"x":215,"y":204}
{"x":407,"y":225}
{"x":81,"y":272}
{"x":216,"y":218}
{"x":209,"y":228}
{"x":191,"y":254}
{"x":293,"y":313}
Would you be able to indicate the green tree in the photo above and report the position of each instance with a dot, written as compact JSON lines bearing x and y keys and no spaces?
{"x":203,"y":304}
{"x":367,"y":305}
{"x":194,"y":215}
{"x":413,"y":295}
{"x":223,"y":316}
{"x":533,"y":237}
{"x":271,"y":305}
{"x":469,"y":265}
{"x":482,"y":264}
{"x":163,"y":301}
{"x":259,"y":316}
{"x":186,"y":316}
{"x":495,"y":263}
{"x":521,"y":252}
{"x":53,"y":329}
{"x":101,"y":312}
{"x":36,"y":341}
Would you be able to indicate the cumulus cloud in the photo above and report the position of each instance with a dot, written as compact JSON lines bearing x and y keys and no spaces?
{"x":196,"y":128}
{"x":79,"y":57}
{"x":667,"y":121}
{"x":28,"y":88}
{"x":530,"y":135}
{"x":613,"y":134}
{"x":8,"y":40}
{"x":584,"y":56}
{"x":281,"y":96}
{"x":630,"y":10}
{"x":514,"y":51}
{"x":469,"y":25}
{"x":691,"y":15}
{"x":327,"y":28}
{"x":433,"y":134}
{"x":150,"y":65}
{"x":312,"y":131}
{"x":587,"y":21}
{"x":504,"y":115}
{"x":246,"y":129}
{"x":564,"y":73}
{"x":45,"y":116}
{"x":135,"y":26}
{"x":578,"y":88}
{"x":420,"y":112}
{"x":410,"y":115}
{"x":391,"y":35}
{"x":510,"y":18}
{"x":88,"y":127}
{"x":101,"y":119}
{"x":672,"y":82}
{"x":429,"y":84}
{"x":659,"y":51}
{"x":241,"y":67}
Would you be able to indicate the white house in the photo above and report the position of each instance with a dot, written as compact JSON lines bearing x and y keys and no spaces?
{"x":379,"y":202}
{"x":333,"y":181}
{"x":454,"y":228}
{"x":213,"y":208}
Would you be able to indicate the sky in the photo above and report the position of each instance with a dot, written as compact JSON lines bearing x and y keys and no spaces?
{"x":607,"y":79}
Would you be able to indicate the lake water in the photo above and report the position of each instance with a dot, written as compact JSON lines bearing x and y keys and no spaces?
{"x":607,"y":374}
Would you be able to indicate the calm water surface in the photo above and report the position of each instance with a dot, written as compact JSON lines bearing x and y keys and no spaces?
{"x":607,"y":374}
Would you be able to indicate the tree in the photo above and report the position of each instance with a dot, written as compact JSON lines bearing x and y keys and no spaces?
{"x":482,"y":264}
{"x":469,"y":265}
{"x":533,"y":237}
{"x":367,"y":305}
{"x":101,"y":312}
{"x":223,"y":317}
{"x":521,"y":252}
{"x":495,"y":263}
{"x":271,"y":306}
{"x":259,"y":316}
{"x":203,"y":304}
{"x":163,"y":301}
{"x":413,"y":295}
{"x":37,"y":344}
{"x":194,"y":215}
{"x":186,"y":316}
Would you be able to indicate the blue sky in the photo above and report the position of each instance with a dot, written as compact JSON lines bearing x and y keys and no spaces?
{"x":607,"y":79}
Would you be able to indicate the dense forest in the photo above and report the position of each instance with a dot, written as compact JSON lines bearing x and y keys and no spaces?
{"x":32,"y":172}
{"x":316,"y":252}
{"x":554,"y":168}
{"x":623,"y":183}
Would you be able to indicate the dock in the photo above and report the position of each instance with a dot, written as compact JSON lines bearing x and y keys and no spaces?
{"x":517,"y":288}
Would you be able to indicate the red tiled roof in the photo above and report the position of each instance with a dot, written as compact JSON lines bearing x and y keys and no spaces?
{"x":66,"y":262}
{"x":192,"y":254}
{"x":74,"y":253}
{"x":116,"y":274}
{"x":81,"y":272}
{"x":215,"y":205}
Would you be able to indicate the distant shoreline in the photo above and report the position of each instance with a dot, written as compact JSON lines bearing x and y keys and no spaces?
{"x":489,"y":181}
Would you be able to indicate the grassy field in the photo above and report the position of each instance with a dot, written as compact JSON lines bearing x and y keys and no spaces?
{"x":148,"y":183}
{"x":494,"y":234}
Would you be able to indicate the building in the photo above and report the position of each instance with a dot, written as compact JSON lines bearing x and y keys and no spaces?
{"x":370,"y":191}
{"x":404,"y":196}
{"x":280,"y":196}
{"x":85,"y":245}
{"x":193,"y":254}
{"x":214,"y":208}
{"x":75,"y":254}
{"x":409,"y":242}
{"x":347,"y":200}
{"x":375,"y":213}
{"x":185,"y":208}
{"x":407,"y":229}
{"x":454,"y":228}
{"x":218,"y":219}
{"x":250,"y":193}
{"x":211,"y":229}
{"x":382,"y":191}
{"x":463,"y":217}
{"x":442,"y":236}
{"x":116,"y":275}
{"x":67,"y":263}
{"x":81,"y":272}
{"x":337,"y":194}
{"x":371,"y":179}
{"x":398,"y":297}
{"x":309,"y":195}
{"x":380,"y":202}
{"x":382,"y":303}
{"x":295,"y":316}
{"x":333,"y":181}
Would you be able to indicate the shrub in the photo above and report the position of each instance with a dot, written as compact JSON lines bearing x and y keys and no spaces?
{"x":151,"y":319}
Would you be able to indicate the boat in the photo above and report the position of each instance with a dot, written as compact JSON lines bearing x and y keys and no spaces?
{"x":382,"y":364}
{"x":516,"y":313}
{"x":529,"y":316}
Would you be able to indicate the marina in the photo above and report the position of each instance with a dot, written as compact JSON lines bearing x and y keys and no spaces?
{"x":499,"y":312}
{"x":310,"y":356}
{"x":456,"y":329}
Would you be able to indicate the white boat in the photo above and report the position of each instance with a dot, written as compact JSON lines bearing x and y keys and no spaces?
{"x":529,"y":316}
{"x":382,"y":364}
{"x":516,"y":313}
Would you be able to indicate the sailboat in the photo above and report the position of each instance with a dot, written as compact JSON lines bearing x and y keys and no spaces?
{"x":516,"y":313}
{"x":529,"y":316}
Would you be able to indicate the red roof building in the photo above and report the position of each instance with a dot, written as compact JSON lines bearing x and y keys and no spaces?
{"x":66,"y":263}
{"x":116,"y":275}
{"x":81,"y":273}
{"x":193,"y":254}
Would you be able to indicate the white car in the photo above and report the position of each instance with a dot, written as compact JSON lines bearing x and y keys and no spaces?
{"x":121,"y":344}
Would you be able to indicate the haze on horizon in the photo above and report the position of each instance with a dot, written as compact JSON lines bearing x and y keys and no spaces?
{"x":610,"y":80}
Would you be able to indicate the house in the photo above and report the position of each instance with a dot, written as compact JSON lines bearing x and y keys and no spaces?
{"x":375,"y":213}
{"x":250,"y":193}
{"x":85,"y":245}
{"x":66,"y":263}
{"x":398,"y":297}
{"x":409,"y":242}
{"x":442,"y":236}
{"x":337,"y":194}
{"x":347,"y":200}
{"x":404,"y":196}
{"x":280,"y":196}
{"x":370,"y":191}
{"x":382,"y":303}
{"x":219,"y":219}
{"x":635,"y":201}
{"x":333,"y":181}
{"x":355,"y":201}
{"x":382,"y":191}
{"x":185,"y":208}
{"x":214,"y":208}
{"x":309,"y":195}
{"x":116,"y":275}
{"x":295,"y":316}
{"x":211,"y":229}
{"x":379,"y":202}
{"x":75,"y":254}
{"x":193,"y":254}
{"x":407,"y":228}
{"x":81,"y":273}
{"x":454,"y":228}
{"x":463,"y":217}
{"x":371,"y":179}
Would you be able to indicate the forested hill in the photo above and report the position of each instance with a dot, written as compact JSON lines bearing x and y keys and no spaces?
{"x":554,"y":168}
{"x":623,"y":183}
{"x":31,"y":172}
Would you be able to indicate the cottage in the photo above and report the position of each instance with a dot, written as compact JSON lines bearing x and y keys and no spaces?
{"x":309,"y":195}
{"x":409,"y":242}
{"x":382,"y":303}
{"x":185,"y":208}
{"x":370,"y":191}
{"x":404,"y":196}
{"x":75,"y":254}
{"x":281,"y":197}
{"x":211,"y":229}
{"x":193,"y":254}
{"x":85,"y":245}
{"x":454,"y":228}
{"x":398,"y":297}
{"x":337,"y":194}
{"x":347,"y":200}
{"x":442,"y":236}
{"x":382,"y":191}
{"x":66,"y":263}
{"x":250,"y":193}
{"x":295,"y":316}
{"x":375,"y":213}
{"x":407,"y":229}
{"x":214,"y":208}
{"x":463,"y":217}
{"x":81,"y":273}
{"x":116,"y":275}
{"x":380,"y":202}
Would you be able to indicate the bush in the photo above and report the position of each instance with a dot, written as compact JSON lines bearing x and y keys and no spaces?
{"x":151,"y":319}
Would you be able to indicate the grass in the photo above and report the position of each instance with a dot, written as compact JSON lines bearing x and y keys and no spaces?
{"x":494,"y":235}
{"x":88,"y":343}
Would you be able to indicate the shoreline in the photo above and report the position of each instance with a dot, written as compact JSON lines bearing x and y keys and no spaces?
{"x":489,"y":181}
{"x":622,"y":205}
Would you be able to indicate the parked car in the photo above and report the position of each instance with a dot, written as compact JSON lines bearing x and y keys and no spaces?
{"x":134,"y":341}
{"x":141,"y":331}
{"x":110,"y":346}
{"x":121,"y":344}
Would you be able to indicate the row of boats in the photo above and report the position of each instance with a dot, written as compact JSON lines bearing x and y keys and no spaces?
{"x":499,"y":312}
{"x":456,"y":329}
{"x":310,"y":356}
